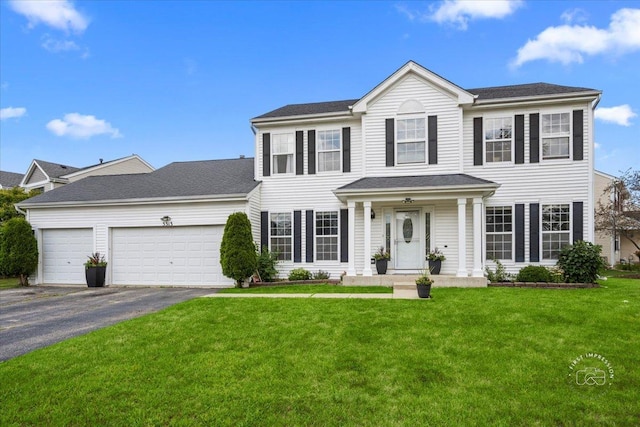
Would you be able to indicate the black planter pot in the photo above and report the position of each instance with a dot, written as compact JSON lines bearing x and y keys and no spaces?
{"x":381,"y":265}
{"x":95,"y":276}
{"x":434,"y":266}
{"x":424,"y":291}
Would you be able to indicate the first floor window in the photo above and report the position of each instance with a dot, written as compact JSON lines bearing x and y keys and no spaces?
{"x":280,"y":232}
{"x":328,"y":150}
{"x":327,"y":236}
{"x":556,"y":227}
{"x":555,"y":132}
{"x":499,"y":220}
{"x":498,"y":137}
{"x":282,"y":147}
{"x":411,"y":141}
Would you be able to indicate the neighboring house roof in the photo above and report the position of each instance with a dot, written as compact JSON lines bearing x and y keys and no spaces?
{"x":184,"y":180}
{"x":413,"y":182}
{"x":10,"y":179}
{"x":55,"y":170}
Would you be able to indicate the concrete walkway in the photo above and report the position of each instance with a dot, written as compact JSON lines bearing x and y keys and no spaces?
{"x":397,"y":294}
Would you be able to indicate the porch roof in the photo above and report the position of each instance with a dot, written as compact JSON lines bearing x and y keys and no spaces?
{"x":426,"y":185}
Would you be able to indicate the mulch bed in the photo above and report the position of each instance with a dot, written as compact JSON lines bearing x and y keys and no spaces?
{"x":545,"y":285}
{"x":296,"y":282}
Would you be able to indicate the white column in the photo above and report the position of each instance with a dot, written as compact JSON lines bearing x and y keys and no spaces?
{"x":366,"y":270}
{"x":351,"y":270}
{"x":462,"y":238}
{"x":477,"y":237}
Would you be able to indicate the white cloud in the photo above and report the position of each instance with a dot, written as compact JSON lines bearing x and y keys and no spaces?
{"x":81,"y":127}
{"x":574,"y":15}
{"x":56,"y":46}
{"x":59,"y":14}
{"x":619,"y":115}
{"x":11,"y":113}
{"x":460,"y":12}
{"x":569,"y":43}
{"x":597,"y":145}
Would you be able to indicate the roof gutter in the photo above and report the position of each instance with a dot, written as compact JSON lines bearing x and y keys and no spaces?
{"x":240,"y":197}
{"x":302,"y":117}
{"x":576,"y":96}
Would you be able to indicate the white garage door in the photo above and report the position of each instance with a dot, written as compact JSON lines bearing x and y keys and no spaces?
{"x":64,"y":253}
{"x":167,"y":256}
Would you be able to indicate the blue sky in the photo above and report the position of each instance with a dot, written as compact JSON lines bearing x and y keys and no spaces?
{"x":180,"y":80}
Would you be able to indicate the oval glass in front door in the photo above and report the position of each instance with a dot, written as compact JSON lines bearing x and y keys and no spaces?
{"x":408,"y":240}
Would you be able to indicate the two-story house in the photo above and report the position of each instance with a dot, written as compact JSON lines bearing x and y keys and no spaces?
{"x":417,"y":163}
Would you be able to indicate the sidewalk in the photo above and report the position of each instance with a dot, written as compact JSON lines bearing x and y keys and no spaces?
{"x":397,"y":294}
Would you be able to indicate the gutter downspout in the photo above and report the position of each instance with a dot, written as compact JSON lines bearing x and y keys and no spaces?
{"x":20,"y":210}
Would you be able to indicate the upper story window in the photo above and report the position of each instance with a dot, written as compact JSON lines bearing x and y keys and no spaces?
{"x":556,"y":226}
{"x":282,"y":149}
{"x":498,"y":137}
{"x":281,"y":237}
{"x":555,"y":134}
{"x":328,"y":145}
{"x":411,"y":140}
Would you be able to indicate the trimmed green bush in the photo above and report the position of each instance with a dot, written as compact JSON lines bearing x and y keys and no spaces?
{"x":299,"y":274}
{"x":321,"y":275}
{"x":581,"y":262}
{"x":534,"y":273}
{"x":237,"y":250}
{"x":267,"y":262}
{"x":18,"y":249}
{"x":499,"y":275}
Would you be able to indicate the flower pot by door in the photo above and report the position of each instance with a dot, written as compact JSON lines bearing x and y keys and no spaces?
{"x":381,"y":265}
{"x":424,"y":291}
{"x":95,"y":276}
{"x":434,"y":266}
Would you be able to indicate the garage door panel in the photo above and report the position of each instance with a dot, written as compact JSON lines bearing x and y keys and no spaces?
{"x":64,"y":254}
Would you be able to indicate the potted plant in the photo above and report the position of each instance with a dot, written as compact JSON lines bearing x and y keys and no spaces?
{"x":435,"y":258}
{"x":382,"y":258}
{"x":95,"y":269}
{"x":423,"y":284}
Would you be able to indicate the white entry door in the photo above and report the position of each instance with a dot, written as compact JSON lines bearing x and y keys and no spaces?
{"x":409,"y":250}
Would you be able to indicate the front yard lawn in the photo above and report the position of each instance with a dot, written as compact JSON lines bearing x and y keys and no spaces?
{"x":493,"y":356}
{"x":310,"y":289}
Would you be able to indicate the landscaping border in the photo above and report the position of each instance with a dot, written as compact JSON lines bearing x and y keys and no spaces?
{"x":296,"y":282}
{"x":545,"y":285}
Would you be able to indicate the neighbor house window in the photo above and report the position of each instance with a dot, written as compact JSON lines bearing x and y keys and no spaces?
{"x":498,"y":137}
{"x":556,"y":227}
{"x":327,"y":236}
{"x":499,"y":220}
{"x":555,"y":135}
{"x":280,"y":232}
{"x":282,"y":148}
{"x":411,"y":141}
{"x":328,"y":145}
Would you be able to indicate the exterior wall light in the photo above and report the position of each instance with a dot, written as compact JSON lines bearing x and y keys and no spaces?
{"x":166,"y":221}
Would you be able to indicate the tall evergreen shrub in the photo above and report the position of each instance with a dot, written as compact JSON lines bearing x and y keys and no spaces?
{"x":237,"y":250}
{"x":18,"y":249}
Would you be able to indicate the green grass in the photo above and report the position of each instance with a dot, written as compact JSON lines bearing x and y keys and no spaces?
{"x":9,"y":282}
{"x":493,"y":356}
{"x":311,"y":289}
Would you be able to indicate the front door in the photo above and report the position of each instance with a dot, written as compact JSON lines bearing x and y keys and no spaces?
{"x":408,"y":242}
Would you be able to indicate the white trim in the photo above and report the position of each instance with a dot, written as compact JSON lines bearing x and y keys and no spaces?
{"x":462,"y":238}
{"x":366,"y":270}
{"x":477,"y":237}
{"x":351,"y":269}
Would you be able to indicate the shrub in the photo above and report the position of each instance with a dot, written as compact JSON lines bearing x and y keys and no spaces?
{"x":237,"y":250}
{"x":299,"y":274}
{"x":18,"y":249}
{"x":499,"y":275}
{"x":321,"y":275}
{"x":581,"y":262}
{"x":267,"y":262}
{"x":534,"y":273}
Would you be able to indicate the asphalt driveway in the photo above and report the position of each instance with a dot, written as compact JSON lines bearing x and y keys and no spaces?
{"x":38,"y":316}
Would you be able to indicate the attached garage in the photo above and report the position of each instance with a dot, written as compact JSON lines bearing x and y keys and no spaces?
{"x":64,"y":252}
{"x":167,"y":256}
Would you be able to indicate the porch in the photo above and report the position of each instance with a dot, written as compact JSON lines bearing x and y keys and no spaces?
{"x":401,"y":281}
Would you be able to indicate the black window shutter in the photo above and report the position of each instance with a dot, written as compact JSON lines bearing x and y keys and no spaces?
{"x":309,"y":228}
{"x":346,"y":149}
{"x":578,"y":139}
{"x":433,"y":139}
{"x":264,"y":230}
{"x":577,"y":222}
{"x":519,"y":125}
{"x":311,"y":141}
{"x":344,"y":235}
{"x":297,"y":236}
{"x":266,"y":154}
{"x":299,"y":153}
{"x":389,"y":140}
{"x":534,"y":138}
{"x":534,"y":232}
{"x":519,"y":225}
{"x":477,"y":141}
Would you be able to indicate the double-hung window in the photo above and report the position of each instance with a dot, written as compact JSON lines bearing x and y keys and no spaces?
{"x":411,"y":140}
{"x":282,"y":148}
{"x":556,"y":229}
{"x":499,"y":220}
{"x":328,"y":143}
{"x":498,"y":139}
{"x":280,"y":231}
{"x":555,"y":134}
{"x":327,"y":236}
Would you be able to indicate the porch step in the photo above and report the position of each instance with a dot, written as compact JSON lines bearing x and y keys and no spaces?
{"x":409,"y":286}
{"x":406,"y":280}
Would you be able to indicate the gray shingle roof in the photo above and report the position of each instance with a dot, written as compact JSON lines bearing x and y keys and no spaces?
{"x":56,"y":170}
{"x":525,"y":90}
{"x":179,"y":179}
{"x":413,"y":182}
{"x":312,"y":108}
{"x":10,"y":179}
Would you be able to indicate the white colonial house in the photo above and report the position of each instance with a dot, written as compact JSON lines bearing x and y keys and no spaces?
{"x":417,"y":163}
